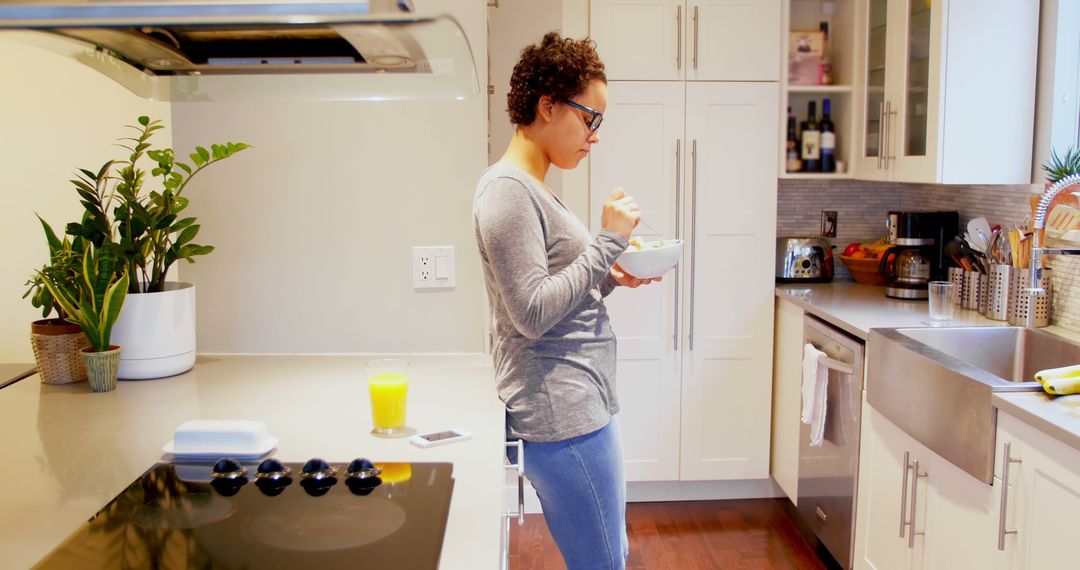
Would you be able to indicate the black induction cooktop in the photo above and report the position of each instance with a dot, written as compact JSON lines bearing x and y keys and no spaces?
{"x":269,"y":515}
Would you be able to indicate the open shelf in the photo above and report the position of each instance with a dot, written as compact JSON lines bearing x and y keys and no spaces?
{"x":819,"y":89}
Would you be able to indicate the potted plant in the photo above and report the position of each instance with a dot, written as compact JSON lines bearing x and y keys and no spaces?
{"x":57,"y":341}
{"x":93,"y":301}
{"x":157,"y":327}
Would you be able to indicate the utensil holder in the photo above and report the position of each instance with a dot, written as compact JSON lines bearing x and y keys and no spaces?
{"x":969,"y":295}
{"x":997,"y":292}
{"x":984,"y":293}
{"x":956,"y":275}
{"x":1019,"y":299}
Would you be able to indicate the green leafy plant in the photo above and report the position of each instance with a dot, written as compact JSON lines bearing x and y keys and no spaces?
{"x":144,"y":226}
{"x":65,"y":267}
{"x":1060,"y":166}
{"x":94,"y":300}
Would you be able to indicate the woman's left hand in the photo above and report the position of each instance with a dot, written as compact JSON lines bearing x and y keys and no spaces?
{"x":626,"y":280}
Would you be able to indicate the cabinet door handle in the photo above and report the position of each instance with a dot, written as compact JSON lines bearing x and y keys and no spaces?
{"x":693,"y":236}
{"x":678,"y":37}
{"x":678,"y":232}
{"x":695,"y":35}
{"x":1005,"y":462}
{"x":889,"y":113}
{"x":914,"y":501}
{"x":881,"y":136}
{"x":903,"y":490}
{"x":520,"y":468}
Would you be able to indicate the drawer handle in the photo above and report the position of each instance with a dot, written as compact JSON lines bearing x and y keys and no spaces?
{"x":1005,"y":462}
{"x":520,"y":468}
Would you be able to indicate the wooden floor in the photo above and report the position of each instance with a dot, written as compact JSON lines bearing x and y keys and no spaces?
{"x":753,"y":534}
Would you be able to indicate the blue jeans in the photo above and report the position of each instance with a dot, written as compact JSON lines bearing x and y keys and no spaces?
{"x":583,"y":493}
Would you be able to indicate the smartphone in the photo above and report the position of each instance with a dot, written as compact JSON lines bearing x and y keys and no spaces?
{"x":439,"y":438}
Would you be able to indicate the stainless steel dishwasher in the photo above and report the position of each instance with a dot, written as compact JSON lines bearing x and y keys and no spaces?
{"x":828,"y":475}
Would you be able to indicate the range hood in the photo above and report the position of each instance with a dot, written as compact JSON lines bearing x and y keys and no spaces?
{"x":239,"y":50}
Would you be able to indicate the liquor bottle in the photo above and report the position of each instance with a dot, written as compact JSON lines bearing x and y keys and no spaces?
{"x":811,"y":140}
{"x":792,"y":148}
{"x":825,"y":73}
{"x":828,"y":139}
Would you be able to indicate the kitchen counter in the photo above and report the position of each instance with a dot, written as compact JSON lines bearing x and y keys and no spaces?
{"x":68,"y":451}
{"x":1057,"y":416}
{"x":858,"y":308}
{"x":12,"y":373}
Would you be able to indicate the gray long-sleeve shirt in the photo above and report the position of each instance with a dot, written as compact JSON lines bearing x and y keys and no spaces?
{"x":546,"y":277}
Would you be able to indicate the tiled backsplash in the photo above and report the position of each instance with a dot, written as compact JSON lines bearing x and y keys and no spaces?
{"x":862,"y":206}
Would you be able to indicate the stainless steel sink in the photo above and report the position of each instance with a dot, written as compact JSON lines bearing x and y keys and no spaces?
{"x":936,"y":383}
{"x":1010,"y":354}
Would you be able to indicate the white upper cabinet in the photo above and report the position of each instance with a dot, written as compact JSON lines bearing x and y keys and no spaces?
{"x":948,"y":91}
{"x":708,"y":40}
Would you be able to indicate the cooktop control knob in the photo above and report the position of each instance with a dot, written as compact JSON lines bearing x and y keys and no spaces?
{"x":362,"y":468}
{"x":228,"y":468}
{"x":272,"y":469}
{"x":273,"y":487}
{"x":317,"y":469}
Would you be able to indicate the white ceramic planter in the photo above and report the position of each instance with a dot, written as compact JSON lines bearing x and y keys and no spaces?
{"x":157,"y":333}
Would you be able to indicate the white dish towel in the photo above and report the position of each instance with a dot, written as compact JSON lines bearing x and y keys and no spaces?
{"x":815,"y":391}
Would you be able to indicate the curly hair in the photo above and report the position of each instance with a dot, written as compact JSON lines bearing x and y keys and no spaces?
{"x":559,"y":67}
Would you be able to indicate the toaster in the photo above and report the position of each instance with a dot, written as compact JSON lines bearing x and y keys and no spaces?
{"x":804,"y":259}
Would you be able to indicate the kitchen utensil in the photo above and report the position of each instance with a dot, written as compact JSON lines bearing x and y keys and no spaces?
{"x":980,"y":229}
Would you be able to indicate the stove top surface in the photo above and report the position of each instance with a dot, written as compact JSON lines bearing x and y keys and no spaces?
{"x":280,"y":515}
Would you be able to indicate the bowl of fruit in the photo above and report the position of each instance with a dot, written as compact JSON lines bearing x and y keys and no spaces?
{"x":650,"y":259}
{"x":863,"y":260}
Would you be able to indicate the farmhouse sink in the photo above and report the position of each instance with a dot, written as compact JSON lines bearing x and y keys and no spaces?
{"x":936,"y":383}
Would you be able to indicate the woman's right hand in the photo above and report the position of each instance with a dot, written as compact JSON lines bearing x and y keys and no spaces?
{"x":620,"y":214}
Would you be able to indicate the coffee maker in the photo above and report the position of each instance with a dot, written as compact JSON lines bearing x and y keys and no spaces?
{"x":916,"y":254}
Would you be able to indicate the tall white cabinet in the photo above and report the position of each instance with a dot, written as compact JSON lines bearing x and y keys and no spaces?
{"x":695,"y":351}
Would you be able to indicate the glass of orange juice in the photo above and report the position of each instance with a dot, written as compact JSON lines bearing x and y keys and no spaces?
{"x":388,"y":384}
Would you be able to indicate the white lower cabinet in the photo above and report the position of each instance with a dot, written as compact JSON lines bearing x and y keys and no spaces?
{"x":787,"y":397}
{"x":1043,"y":505}
{"x":694,"y":374}
{"x":905,"y":488}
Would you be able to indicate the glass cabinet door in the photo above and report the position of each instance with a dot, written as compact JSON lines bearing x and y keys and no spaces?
{"x":875,"y":76}
{"x":916,"y":88}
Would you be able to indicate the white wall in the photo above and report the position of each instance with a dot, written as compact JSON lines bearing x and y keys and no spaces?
{"x":56,"y":115}
{"x":314,"y":226}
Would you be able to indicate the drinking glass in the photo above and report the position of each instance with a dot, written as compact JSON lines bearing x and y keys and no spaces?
{"x":388,"y":384}
{"x":940,"y":300}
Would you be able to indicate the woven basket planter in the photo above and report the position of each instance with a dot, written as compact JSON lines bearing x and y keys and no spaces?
{"x":56,"y":346}
{"x":101,"y":368}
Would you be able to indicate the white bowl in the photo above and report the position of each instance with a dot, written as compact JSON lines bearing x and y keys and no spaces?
{"x":654,"y":259}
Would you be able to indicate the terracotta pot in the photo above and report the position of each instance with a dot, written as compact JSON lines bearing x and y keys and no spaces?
{"x":56,"y":345}
{"x":101,"y":368}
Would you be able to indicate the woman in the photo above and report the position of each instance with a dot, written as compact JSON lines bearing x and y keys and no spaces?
{"x":546,"y":277}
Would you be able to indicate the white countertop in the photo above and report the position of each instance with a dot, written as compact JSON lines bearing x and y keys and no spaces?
{"x":858,"y":308}
{"x":68,"y":451}
{"x":1057,"y":416}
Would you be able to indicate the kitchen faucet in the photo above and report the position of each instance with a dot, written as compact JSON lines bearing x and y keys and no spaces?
{"x":1037,"y":251}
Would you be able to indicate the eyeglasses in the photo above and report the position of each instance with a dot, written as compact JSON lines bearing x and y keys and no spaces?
{"x":597,"y":116}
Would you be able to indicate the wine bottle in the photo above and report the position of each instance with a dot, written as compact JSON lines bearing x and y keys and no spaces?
{"x":811,"y":140}
{"x":828,"y":139}
{"x":792,"y":148}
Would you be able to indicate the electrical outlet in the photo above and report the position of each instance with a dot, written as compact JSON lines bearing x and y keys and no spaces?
{"x":433,"y":267}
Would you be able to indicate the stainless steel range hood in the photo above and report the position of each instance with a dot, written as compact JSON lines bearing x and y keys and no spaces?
{"x":235,"y":51}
